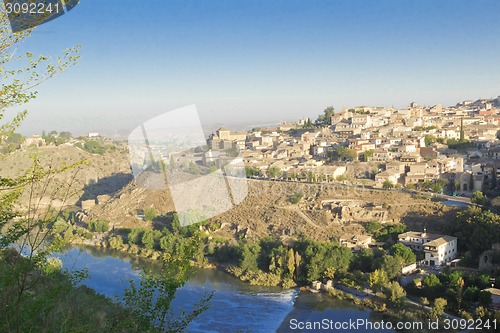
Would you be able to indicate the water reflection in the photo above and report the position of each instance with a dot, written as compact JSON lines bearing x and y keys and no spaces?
{"x":235,"y":307}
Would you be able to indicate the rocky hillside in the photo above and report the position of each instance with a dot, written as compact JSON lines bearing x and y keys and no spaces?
{"x":104,"y":189}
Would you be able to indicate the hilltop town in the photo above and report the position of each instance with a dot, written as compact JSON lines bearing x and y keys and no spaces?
{"x":358,"y":194}
{"x":440,"y":149}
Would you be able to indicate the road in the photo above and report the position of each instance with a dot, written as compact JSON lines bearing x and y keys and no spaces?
{"x":464,"y":200}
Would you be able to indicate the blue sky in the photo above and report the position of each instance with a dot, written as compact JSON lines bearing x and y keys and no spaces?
{"x":255,"y":61}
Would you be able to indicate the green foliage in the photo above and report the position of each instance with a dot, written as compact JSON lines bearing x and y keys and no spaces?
{"x":65,"y":135}
{"x":95,"y":146}
{"x":274,"y":172}
{"x":394,"y":292}
{"x":310,"y":176}
{"x":151,"y":239}
{"x":485,"y":298}
{"x":59,"y":226}
{"x":320,"y":256}
{"x":387,"y":185}
{"x":423,"y":128}
{"x":431,"y":281}
{"x":252,"y":171}
{"x":438,"y":308}
{"x":405,"y":253}
{"x":459,"y":145}
{"x":248,"y":255}
{"x":116,"y":242}
{"x":392,"y":265}
{"x":378,"y":279}
{"x":135,"y":235}
{"x":367,"y":260}
{"x":98,"y":226}
{"x":344,"y":153}
{"x":194,"y":168}
{"x":150,"y":213}
{"x":479,"y":198}
{"x":476,"y":229}
{"x":372,"y":226}
{"x":150,"y":301}
{"x":12,"y":143}
{"x":454,"y":278}
{"x":325,"y":118}
{"x":367,"y":155}
{"x":429,"y":139}
{"x":389,"y":233}
{"x":295,"y":198}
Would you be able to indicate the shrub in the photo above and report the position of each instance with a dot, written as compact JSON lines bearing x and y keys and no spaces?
{"x":53,"y":266}
{"x":116,"y":242}
{"x":295,"y":199}
{"x":149,"y":214}
{"x":98,"y":226}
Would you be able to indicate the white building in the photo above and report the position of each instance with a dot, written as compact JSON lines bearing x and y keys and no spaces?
{"x":440,"y":251}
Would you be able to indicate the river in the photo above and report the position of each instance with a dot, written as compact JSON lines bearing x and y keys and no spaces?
{"x":235,"y":307}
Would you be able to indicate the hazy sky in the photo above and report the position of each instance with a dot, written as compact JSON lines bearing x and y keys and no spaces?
{"x":261,"y":61}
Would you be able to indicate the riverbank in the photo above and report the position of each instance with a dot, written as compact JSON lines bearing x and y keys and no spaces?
{"x":236,"y":305}
{"x":366,"y":305}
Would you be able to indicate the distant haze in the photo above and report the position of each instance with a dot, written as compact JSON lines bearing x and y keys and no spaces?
{"x":250,"y":62}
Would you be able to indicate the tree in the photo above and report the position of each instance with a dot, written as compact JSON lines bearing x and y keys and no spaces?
{"x":148,"y":239}
{"x":387,"y":185}
{"x":65,"y":135}
{"x":325,"y":118}
{"x":15,"y":138}
{"x":392,"y":265}
{"x":21,"y":73}
{"x":428,"y":139}
{"x":295,"y":198}
{"x":310,"y":176}
{"x":438,"y":307}
{"x":150,"y":213}
{"x":98,"y":225}
{"x":476,"y":229}
{"x":367,"y":155}
{"x":135,"y":235}
{"x":431,"y":284}
{"x":319,"y":256}
{"x":372,"y":226}
{"x":403,"y":252}
{"x":251,"y":171}
{"x":248,"y":256}
{"x":291,"y":263}
{"x":116,"y":242}
{"x":298,"y":259}
{"x":479,"y":198}
{"x":394,"y":292}
{"x":274,"y":172}
{"x":150,"y":301}
{"x":344,"y":153}
{"x":378,"y":279}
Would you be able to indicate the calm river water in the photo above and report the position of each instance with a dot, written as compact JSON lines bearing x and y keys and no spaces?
{"x":235,"y":307}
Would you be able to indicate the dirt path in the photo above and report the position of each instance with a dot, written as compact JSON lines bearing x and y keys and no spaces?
{"x":303,"y":215}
